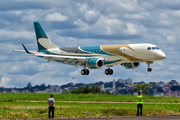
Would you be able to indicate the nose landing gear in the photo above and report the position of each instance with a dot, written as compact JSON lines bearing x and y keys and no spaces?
{"x":149,"y":69}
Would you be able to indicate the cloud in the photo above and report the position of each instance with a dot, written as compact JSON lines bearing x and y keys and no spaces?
{"x":5,"y":82}
{"x":137,"y":16}
{"x":55,"y":17}
{"x":84,"y":23}
{"x":171,"y":39}
{"x":131,"y":28}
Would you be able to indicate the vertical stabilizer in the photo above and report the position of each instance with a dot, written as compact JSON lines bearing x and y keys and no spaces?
{"x":42,"y":40}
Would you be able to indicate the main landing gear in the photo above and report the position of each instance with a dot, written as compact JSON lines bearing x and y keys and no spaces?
{"x":149,"y":69}
{"x":84,"y":72}
{"x":109,"y":71}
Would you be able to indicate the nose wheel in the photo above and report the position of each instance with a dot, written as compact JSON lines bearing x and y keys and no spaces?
{"x":149,"y":69}
{"x":84,"y":72}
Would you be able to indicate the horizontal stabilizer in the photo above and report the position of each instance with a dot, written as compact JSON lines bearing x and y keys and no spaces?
{"x":19,"y":50}
{"x":26,"y":49}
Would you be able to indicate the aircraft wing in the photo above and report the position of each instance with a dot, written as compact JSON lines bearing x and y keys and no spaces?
{"x":59,"y":56}
{"x":76,"y":60}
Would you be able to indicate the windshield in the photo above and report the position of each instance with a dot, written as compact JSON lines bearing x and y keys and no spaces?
{"x":152,"y":48}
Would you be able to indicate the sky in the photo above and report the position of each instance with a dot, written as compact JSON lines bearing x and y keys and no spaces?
{"x":86,"y":23}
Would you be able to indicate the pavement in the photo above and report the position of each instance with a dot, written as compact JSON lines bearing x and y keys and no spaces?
{"x":156,"y":117}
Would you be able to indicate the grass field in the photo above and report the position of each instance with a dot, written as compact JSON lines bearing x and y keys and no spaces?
{"x":16,"y":106}
{"x":85,"y":97}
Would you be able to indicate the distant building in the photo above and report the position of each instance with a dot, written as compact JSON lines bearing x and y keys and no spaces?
{"x":52,"y":89}
{"x":129,"y":81}
{"x":55,"y":89}
{"x":120,"y":80}
{"x":125,"y":81}
{"x":114,"y":85}
{"x":102,"y":87}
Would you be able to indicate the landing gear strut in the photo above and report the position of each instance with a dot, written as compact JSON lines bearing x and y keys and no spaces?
{"x":109,"y":71}
{"x":149,"y":69}
{"x":84,"y":72}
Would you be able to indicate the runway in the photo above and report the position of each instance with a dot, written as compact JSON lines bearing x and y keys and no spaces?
{"x":156,"y":117}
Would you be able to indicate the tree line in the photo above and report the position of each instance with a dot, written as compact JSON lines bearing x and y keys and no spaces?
{"x":86,"y":89}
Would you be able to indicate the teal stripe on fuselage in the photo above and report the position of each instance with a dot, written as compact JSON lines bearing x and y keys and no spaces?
{"x":94,"y":49}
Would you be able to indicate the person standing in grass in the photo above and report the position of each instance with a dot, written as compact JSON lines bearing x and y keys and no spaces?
{"x":51,"y":106}
{"x":139,"y":103}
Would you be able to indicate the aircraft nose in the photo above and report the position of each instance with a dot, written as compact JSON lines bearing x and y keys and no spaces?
{"x":162,"y":55}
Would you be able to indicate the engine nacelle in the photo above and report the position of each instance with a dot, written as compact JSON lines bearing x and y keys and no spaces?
{"x":95,"y":63}
{"x":131,"y":65}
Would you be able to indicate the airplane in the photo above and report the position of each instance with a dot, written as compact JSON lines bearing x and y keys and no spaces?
{"x":95,"y":57}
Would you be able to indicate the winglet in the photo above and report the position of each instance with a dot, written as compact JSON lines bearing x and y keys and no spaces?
{"x":26,"y":49}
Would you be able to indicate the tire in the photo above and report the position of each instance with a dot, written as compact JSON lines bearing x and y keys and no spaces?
{"x":107,"y":72}
{"x":87,"y":72}
{"x":110,"y":71}
{"x":149,"y":69}
{"x":82,"y":72}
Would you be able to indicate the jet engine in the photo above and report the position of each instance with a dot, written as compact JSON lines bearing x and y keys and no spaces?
{"x":95,"y":63}
{"x":131,"y":65}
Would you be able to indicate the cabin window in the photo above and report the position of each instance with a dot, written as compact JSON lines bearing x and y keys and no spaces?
{"x":109,"y":50}
{"x":96,"y":50}
{"x":99,"y":50}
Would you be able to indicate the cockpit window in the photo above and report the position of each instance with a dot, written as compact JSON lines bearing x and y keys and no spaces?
{"x":152,"y":48}
{"x":149,"y":48}
{"x":155,"y":48}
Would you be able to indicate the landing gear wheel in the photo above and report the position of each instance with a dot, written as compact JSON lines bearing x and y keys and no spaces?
{"x":149,"y":69}
{"x":107,"y":72}
{"x":83,"y":72}
{"x":87,"y":72}
{"x":149,"y":63}
{"x":110,"y":71}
